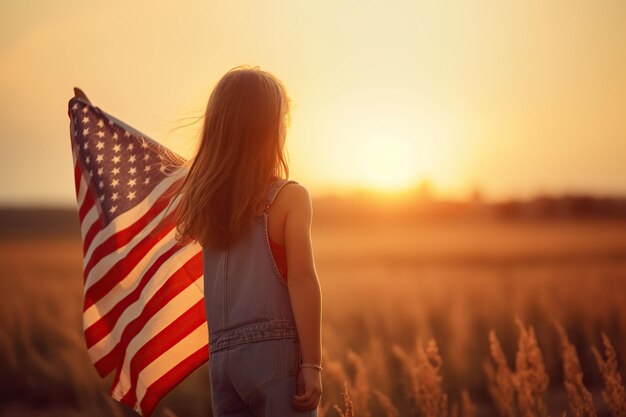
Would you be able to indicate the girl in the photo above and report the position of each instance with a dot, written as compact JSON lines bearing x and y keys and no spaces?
{"x":262,"y":294}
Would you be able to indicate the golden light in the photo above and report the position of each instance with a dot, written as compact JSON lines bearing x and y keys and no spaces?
{"x":390,"y":146}
{"x":386,"y":162}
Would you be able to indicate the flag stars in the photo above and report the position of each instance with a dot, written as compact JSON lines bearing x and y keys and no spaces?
{"x":123,"y":171}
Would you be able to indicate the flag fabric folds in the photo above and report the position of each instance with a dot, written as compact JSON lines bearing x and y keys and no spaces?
{"x":143,"y":295}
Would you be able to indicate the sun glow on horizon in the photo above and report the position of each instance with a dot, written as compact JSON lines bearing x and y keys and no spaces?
{"x":388,"y":163}
{"x":387,"y":142}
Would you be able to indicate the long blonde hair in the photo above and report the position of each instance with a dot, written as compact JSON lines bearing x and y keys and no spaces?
{"x":239,"y":153}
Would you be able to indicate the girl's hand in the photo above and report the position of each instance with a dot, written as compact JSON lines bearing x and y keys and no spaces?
{"x":80,"y":94}
{"x":309,"y":389}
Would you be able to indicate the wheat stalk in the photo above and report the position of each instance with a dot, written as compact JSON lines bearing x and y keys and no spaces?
{"x":361,"y":388}
{"x":581,"y":401}
{"x":613,"y":393}
{"x":530,"y":379}
{"x":348,"y":404}
{"x":500,"y":379}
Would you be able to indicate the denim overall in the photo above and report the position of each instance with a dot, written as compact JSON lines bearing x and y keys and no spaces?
{"x":254,"y":349}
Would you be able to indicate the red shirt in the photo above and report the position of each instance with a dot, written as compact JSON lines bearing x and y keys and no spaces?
{"x":279,"y":252}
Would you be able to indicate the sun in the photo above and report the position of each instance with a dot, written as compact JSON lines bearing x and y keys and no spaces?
{"x":388,"y":145}
{"x":386,"y":163}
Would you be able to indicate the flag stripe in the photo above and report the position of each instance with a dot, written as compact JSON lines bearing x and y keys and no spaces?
{"x":82,"y":189}
{"x":169,"y":379}
{"x":154,"y":372}
{"x":171,"y":288}
{"x":124,"y":236}
{"x":98,"y":269}
{"x":77,"y":176}
{"x":129,"y":283}
{"x":90,"y":223}
{"x":184,"y":325}
{"x":88,"y":203}
{"x":175,"y":293}
{"x":98,"y":330}
{"x":124,"y":266}
{"x":91,"y":233}
{"x":157,"y":224}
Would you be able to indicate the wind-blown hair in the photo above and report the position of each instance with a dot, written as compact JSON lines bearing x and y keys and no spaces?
{"x":240,"y":152}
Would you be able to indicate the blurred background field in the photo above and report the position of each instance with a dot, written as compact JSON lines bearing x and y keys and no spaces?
{"x":391,"y":274}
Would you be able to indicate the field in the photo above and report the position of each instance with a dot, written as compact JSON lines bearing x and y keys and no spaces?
{"x":388,"y":288}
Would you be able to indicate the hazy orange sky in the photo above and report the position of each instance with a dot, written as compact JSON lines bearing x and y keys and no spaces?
{"x":515,"y":97}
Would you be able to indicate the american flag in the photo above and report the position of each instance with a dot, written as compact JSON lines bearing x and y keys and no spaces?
{"x":143,"y":312}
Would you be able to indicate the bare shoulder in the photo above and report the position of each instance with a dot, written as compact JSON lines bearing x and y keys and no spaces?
{"x":296,"y":198}
{"x":297,"y":191}
{"x":297,"y":194}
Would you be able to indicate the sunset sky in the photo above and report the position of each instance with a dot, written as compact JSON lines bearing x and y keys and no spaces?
{"x":516,"y":98}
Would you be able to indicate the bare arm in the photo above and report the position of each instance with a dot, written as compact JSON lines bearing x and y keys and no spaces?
{"x":304,"y":290}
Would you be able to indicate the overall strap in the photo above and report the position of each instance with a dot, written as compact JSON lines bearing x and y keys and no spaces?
{"x":274,"y":189}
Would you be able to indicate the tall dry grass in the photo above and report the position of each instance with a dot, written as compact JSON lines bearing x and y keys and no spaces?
{"x":500,"y":379}
{"x":520,"y":392}
{"x":613,"y":393}
{"x":423,"y":370}
{"x":457,"y":284}
{"x":515,"y":393}
{"x":581,"y":401}
{"x":530,"y":378}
